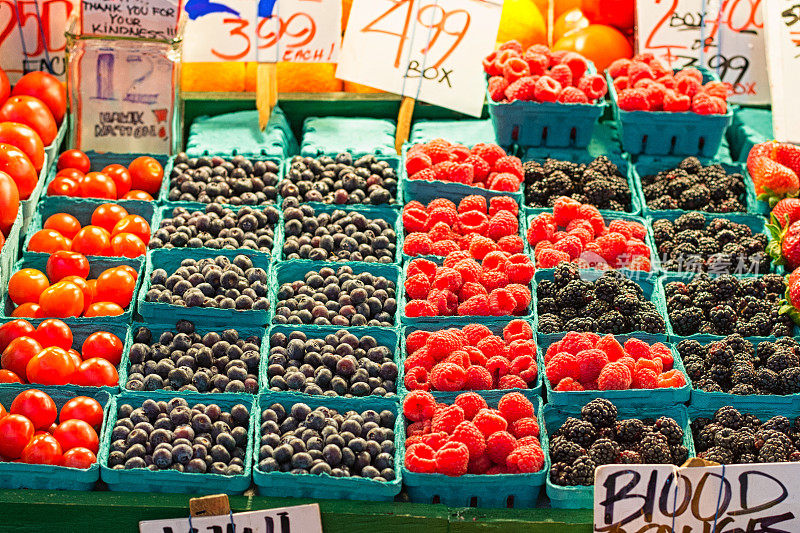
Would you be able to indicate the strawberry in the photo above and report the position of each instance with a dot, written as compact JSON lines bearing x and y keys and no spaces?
{"x":770,"y":176}
{"x":790,"y":245}
{"x":794,"y":295}
{"x":786,"y":211}
{"x":788,"y":155}
{"x":793,"y":278}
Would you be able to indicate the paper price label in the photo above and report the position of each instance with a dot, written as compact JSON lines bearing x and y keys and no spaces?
{"x":301,"y":31}
{"x":426,"y":49}
{"x":32,"y":36}
{"x":726,"y":37}
{"x":152,"y":19}
{"x":783,"y":59}
{"x":299,"y":518}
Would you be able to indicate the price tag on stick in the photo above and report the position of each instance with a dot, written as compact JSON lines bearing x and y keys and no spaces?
{"x":782,"y":25}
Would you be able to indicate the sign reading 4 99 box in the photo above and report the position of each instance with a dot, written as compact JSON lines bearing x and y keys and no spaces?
{"x":425,"y":49}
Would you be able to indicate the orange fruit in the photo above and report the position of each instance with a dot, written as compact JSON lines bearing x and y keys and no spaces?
{"x":300,"y":78}
{"x":601,"y":44}
{"x":352,"y":87}
{"x":568,"y":22}
{"x":522,"y":20}
{"x":213,"y":77}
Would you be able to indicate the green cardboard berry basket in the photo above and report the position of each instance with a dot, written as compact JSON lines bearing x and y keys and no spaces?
{"x":357,"y":135}
{"x":172,"y":481}
{"x":50,"y":477}
{"x":387,"y":337}
{"x":634,"y":397}
{"x":238,"y":133}
{"x":324,"y":486}
{"x":491,"y":395}
{"x":170,"y":260}
{"x":762,"y":410}
{"x":582,"y":497}
{"x":468,"y":131}
{"x":9,"y":253}
{"x":157,"y":328}
{"x":27,"y":208}
{"x":519,"y":491}
{"x":751,"y":126}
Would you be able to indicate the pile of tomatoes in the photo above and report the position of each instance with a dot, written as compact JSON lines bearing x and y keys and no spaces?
{"x":64,"y":291}
{"x":112,"y":232}
{"x":44,"y":355}
{"x":29,"y":433}
{"x":140,"y":180}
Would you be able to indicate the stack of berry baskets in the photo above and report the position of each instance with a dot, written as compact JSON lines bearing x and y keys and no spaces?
{"x":358,"y":136}
{"x":9,"y":253}
{"x":581,"y":438}
{"x":237,"y":134}
{"x":473,"y":452}
{"x":664,"y":112}
{"x":468,"y":132}
{"x":540,"y":97}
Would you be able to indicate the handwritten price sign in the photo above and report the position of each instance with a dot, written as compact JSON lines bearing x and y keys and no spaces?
{"x":302,"y":31}
{"x":32,"y":36}
{"x":726,"y":37}
{"x":425,"y":49}
{"x":299,"y":518}
{"x":783,"y":60}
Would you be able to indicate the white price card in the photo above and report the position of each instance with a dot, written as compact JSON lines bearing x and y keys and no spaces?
{"x":296,"y":519}
{"x":299,"y":31}
{"x":32,"y":36}
{"x":725,"y":36}
{"x":736,"y":498}
{"x":783,"y":59}
{"x":124,"y":96}
{"x":430,"y":50}
{"x":151,"y":19}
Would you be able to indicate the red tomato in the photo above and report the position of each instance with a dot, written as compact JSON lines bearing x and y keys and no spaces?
{"x":66,"y":224}
{"x":127,"y":245}
{"x":16,"y":432}
{"x":9,"y":202}
{"x":18,"y":354}
{"x":78,"y":458}
{"x":62,"y":264}
{"x":133,"y":224}
{"x":7,"y":376}
{"x":96,"y":372}
{"x":46,"y":88}
{"x":42,"y":450}
{"x":16,"y":164}
{"x":84,"y":285}
{"x":48,"y":241}
{"x":92,"y":240}
{"x":13,"y":329}
{"x":5,"y":86}
{"x":71,"y":173}
{"x":115,"y":285}
{"x":62,"y":300}
{"x":63,"y":186}
{"x":51,"y":366}
{"x":74,"y":159}
{"x":36,"y":406}
{"x":24,"y":138}
{"x":104,"y":345}
{"x":107,"y":215}
{"x":137,"y":195}
{"x":83,"y":408}
{"x":103,"y":309}
{"x":54,"y":332}
{"x":76,"y":433}
{"x":26,"y":285}
{"x":130,"y":270}
{"x":75,"y":356}
{"x":98,"y":185}
{"x":3,"y":411}
{"x":31,"y":112}
{"x":146,"y":174}
{"x":121,"y":177}
{"x":27,"y":310}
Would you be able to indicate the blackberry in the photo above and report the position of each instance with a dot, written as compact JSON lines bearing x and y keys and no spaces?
{"x":581,"y":432}
{"x":789,"y":380}
{"x":565,"y":273}
{"x":655,"y":449}
{"x":724,"y":287}
{"x":720,"y":374}
{"x":724,"y":319}
{"x":695,"y":197}
{"x":690,"y":347}
{"x":550,"y":324}
{"x":580,"y":324}
{"x":720,"y":353}
{"x":548,"y":305}
{"x":689,"y":221}
{"x":595,"y":309}
{"x":695,"y":368}
{"x":781,"y":360}
{"x":606,"y":288}
{"x":774,"y":451}
{"x":774,"y":283}
{"x":604,"y":452}
{"x":708,"y":385}
{"x":565,"y":451}
{"x":743,"y":389}
{"x":718,"y":455}
{"x":728,"y":417}
{"x":630,"y":457}
{"x":581,"y":472}
{"x":768,"y":381}
{"x":686,"y":321}
{"x":546,"y":288}
{"x":670,"y":429}
{"x":679,"y":454}
{"x":699,"y":423}
{"x":630,"y":430}
{"x":777,"y":423}
{"x":558,"y":473}
{"x":663,"y":203}
{"x":600,"y":413}
{"x":651,"y":322}
{"x":724,"y":438}
{"x":627,"y":304}
{"x":743,"y":441}
{"x":679,"y":302}
{"x":704,"y":438}
{"x":576,"y":293}
{"x":613,"y":322}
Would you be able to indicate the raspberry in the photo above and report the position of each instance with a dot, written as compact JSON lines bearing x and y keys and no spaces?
{"x":498,"y":366}
{"x":470,"y":403}
{"x":676,"y":102}
{"x":594,"y":86}
{"x":489,"y":421}
{"x":448,"y":377}
{"x":514,"y":406}
{"x":414,"y":219}
{"x":621,"y":83}
{"x":417,"y":244}
{"x":470,"y":289}
{"x":510,"y":381}
{"x":690,"y":72}
{"x":612,"y":245}
{"x":513,"y":44}
{"x":628,"y":361}
{"x":488,"y":152}
{"x":447,"y":418}
{"x":452,"y":459}
{"x":417,"y":308}
{"x":440,"y":232}
{"x":480,"y":168}
{"x":417,"y":287}
{"x":419,"y":405}
{"x":444,"y":300}
{"x":419,"y":358}
{"x":447,"y":279}
{"x":644,"y":378}
{"x":525,"y":427}
{"x":497,"y":88}
{"x":571,"y":245}
{"x":576,"y":64}
{"x":638,"y":70}
{"x":499,"y":444}
{"x":472,"y":203}
{"x":459,"y":357}
{"x":564,"y":210}
{"x":478,"y":378}
{"x":479,"y":465}
{"x":540,"y":228}
{"x":481,"y":246}
{"x":501,"y":302}
{"x":640,"y":263}
{"x":529,"y":440}
{"x":475,"y":332}
{"x":435,"y":440}
{"x":633,"y":100}
{"x":476,"y":357}
{"x":575,"y":342}
{"x":526,"y":459}
{"x":441,"y":203}
{"x":521,"y":89}
{"x":524,"y":366}
{"x":592,"y":362}
{"x":469,"y":270}
{"x":655,"y":96}
{"x":716,"y":88}
{"x":495,"y":260}
{"x":502,"y":203}
{"x":550,"y":258}
{"x":636,"y":248}
{"x":442,"y":343}
{"x":477,"y":305}
{"x":552,"y":350}
{"x":562,"y":74}
{"x":505,"y":182}
{"x":515,"y":68}
{"x":621,"y":226}
{"x":438,"y":150}
{"x":637,"y":348}
{"x":442,"y":248}
{"x":702,"y":104}
{"x":611,"y":347}
{"x":446,"y":214}
{"x":537,"y":63}
{"x":443,"y":170}
{"x":462,"y":173}
{"x":651,"y":364}
{"x":509,"y":165}
{"x":517,"y":330}
{"x":673,"y":378}
{"x":473,"y":222}
{"x":416,"y":378}
{"x":512,"y":244}
{"x":468,"y":434}
{"x":453,"y":258}
{"x":522,"y":297}
{"x":572,"y":95}
{"x":422,"y":266}
{"x":492,"y":345}
{"x":416,"y":340}
{"x":417,"y":162}
{"x":501,"y":224}
{"x":615,"y":376}
{"x":568,"y":384}
{"x":547,"y":89}
{"x":562,"y":365}
{"x":520,"y":269}
{"x":619,"y":68}
{"x":688,"y":86}
{"x":419,"y":458}
{"x":663,"y":353}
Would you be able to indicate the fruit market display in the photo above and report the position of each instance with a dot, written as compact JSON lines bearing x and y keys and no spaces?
{"x":140,"y":180}
{"x":232,"y":181}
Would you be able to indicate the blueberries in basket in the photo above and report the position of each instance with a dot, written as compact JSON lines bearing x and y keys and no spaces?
{"x":186,"y":360}
{"x":341,"y":364}
{"x":340,"y":298}
{"x":233,"y":181}
{"x":339,"y":180}
{"x":324,"y":441}
{"x":212,"y":282}
{"x":166,"y":440}
{"x":218,"y":227}
{"x":337,"y":236}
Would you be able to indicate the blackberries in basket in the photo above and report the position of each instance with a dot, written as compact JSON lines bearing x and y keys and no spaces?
{"x":692,"y":186}
{"x":732,"y":437}
{"x":174,"y":435}
{"x":696,"y":243}
{"x":183,"y":359}
{"x":599,"y":183}
{"x":724,"y":304}
{"x":219,"y":228}
{"x":339,"y":180}
{"x":337,"y":236}
{"x":212,"y":282}
{"x":610,"y":304}
{"x":737,"y":366}
{"x":337,"y":297}
{"x":340,"y":364}
{"x":597,"y":438}
{"x":234,"y":181}
{"x":302,"y":440}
